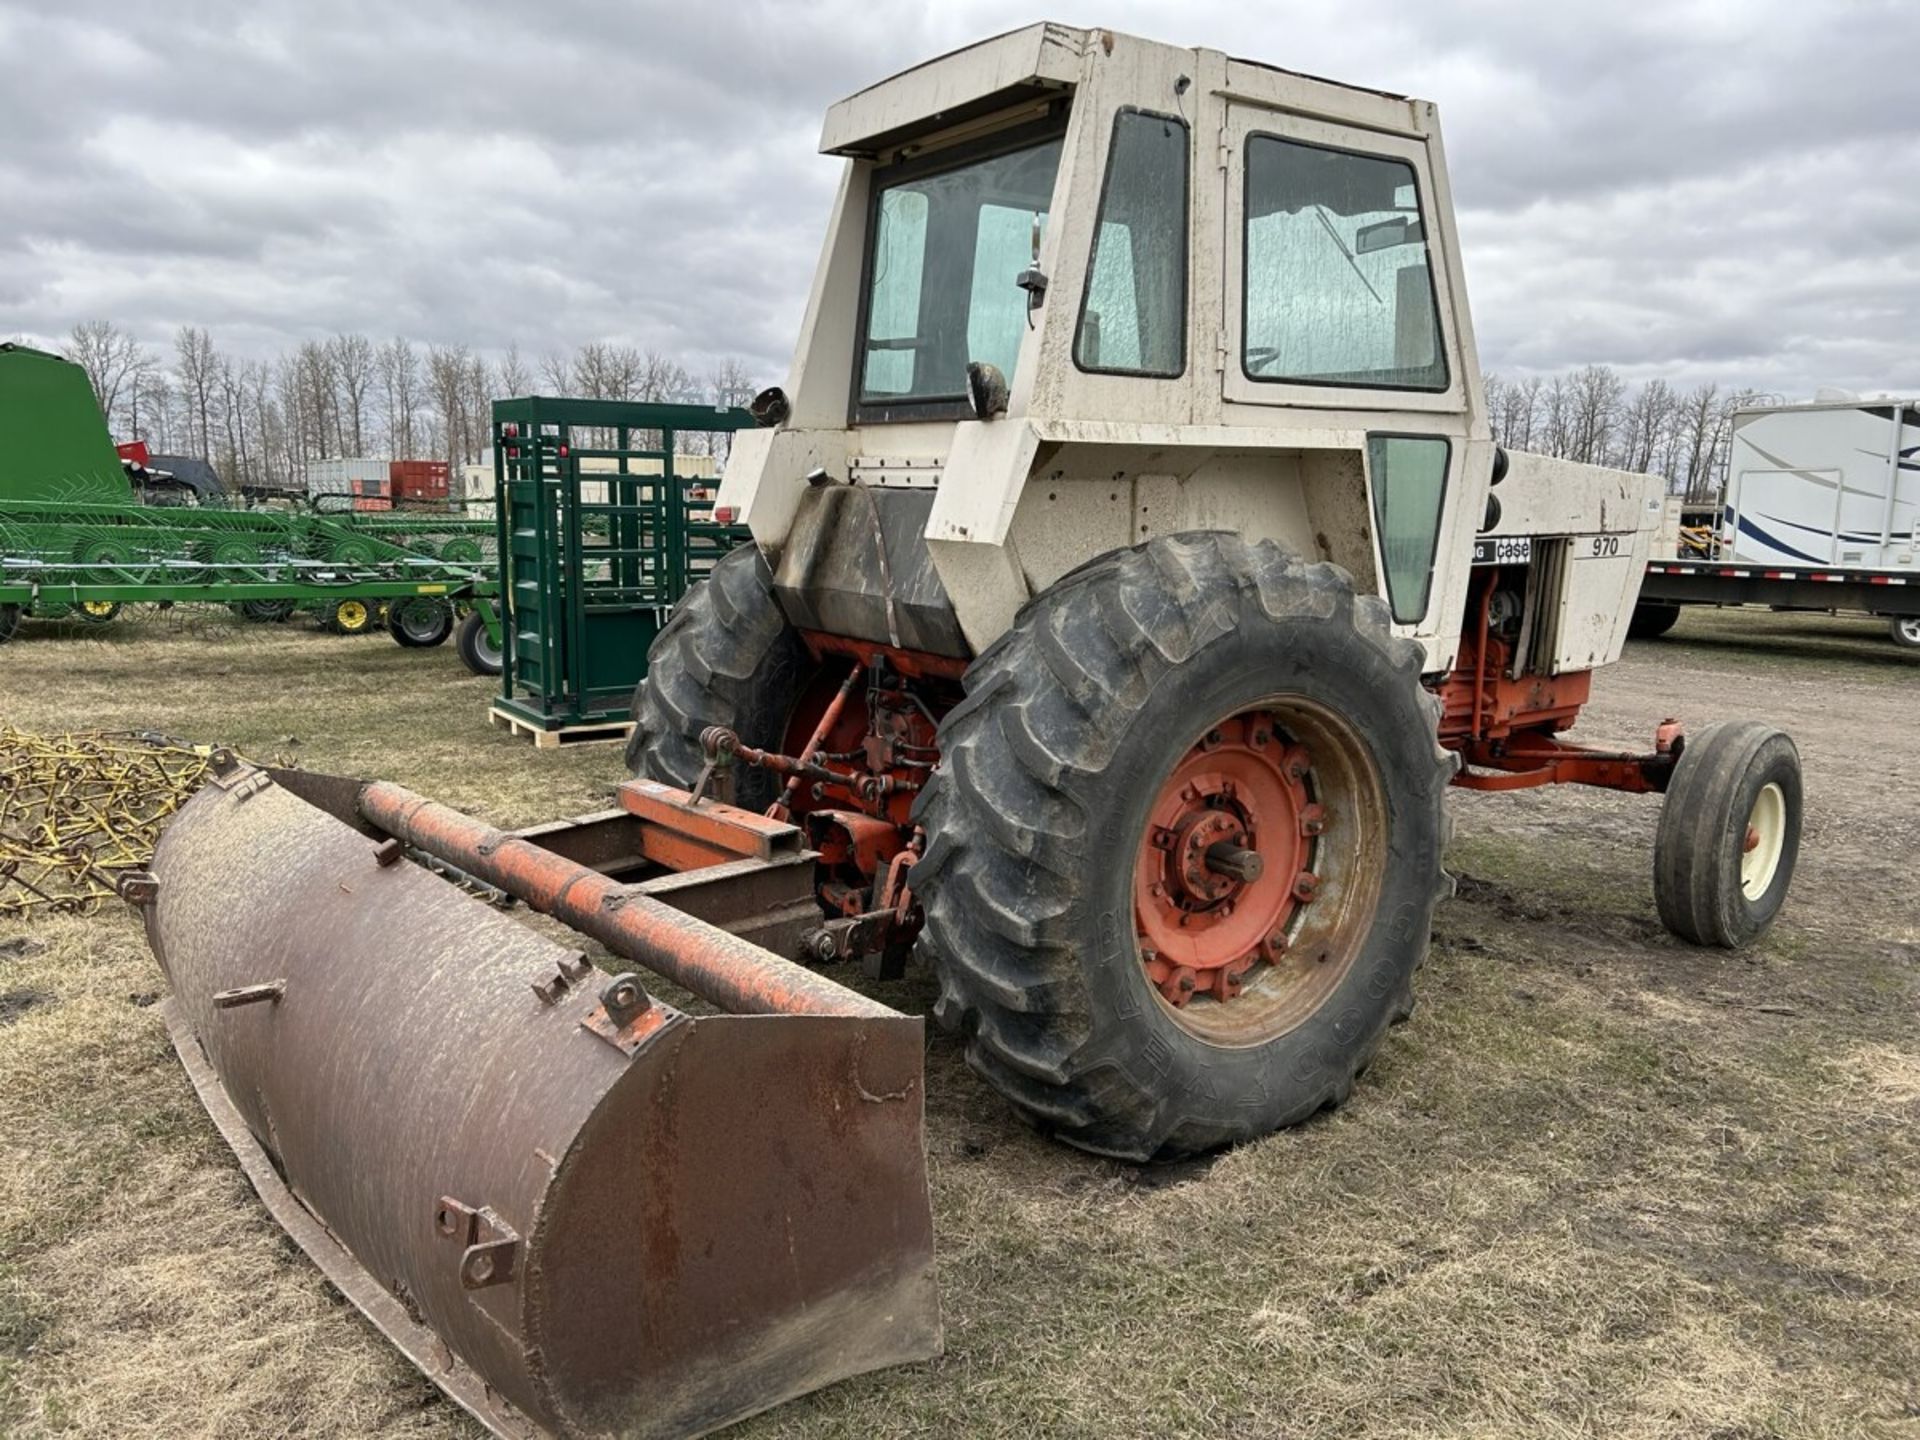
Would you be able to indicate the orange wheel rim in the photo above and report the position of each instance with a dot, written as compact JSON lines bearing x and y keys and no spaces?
{"x":1258,"y":870}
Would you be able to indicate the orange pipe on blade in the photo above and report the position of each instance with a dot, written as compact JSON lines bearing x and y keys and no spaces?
{"x":714,"y":964}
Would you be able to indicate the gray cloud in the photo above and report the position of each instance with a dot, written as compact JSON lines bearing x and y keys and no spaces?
{"x":1691,"y":190}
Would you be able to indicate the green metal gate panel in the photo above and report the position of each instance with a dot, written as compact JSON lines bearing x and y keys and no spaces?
{"x":599,"y":538}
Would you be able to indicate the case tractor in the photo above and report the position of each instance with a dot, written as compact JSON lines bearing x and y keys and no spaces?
{"x":1132,"y":577}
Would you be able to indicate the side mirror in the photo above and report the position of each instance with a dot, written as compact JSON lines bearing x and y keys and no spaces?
{"x":986,"y":390}
{"x":769,"y":407}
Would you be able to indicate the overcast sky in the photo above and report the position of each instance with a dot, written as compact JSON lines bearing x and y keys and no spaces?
{"x":1696,"y":191}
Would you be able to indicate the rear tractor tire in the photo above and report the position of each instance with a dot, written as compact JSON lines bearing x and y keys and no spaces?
{"x":726,"y":657}
{"x":1184,"y":845}
{"x":1651,"y":619}
{"x":420,"y":622}
{"x":1905,"y":631}
{"x":1729,"y":834}
{"x":477,"y":652}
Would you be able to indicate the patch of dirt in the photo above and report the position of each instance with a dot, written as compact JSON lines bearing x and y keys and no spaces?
{"x":15,"y":1003}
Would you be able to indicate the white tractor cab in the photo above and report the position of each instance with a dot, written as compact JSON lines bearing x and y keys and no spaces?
{"x":1134,"y":571}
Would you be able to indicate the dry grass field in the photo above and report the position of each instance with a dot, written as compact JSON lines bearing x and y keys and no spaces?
{"x":1603,"y":1185}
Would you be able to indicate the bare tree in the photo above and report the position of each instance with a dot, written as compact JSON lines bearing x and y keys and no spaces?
{"x":1594,"y":393}
{"x":318,"y":400}
{"x":237,"y":459}
{"x":728,"y":384}
{"x":1643,"y":420}
{"x":515,"y":379}
{"x":354,"y":366}
{"x":450,"y":389}
{"x":150,"y":398}
{"x":110,"y":357}
{"x":1697,"y":415}
{"x":400,"y":393}
{"x":198,"y":366}
{"x":556,"y":373}
{"x":660,"y":378}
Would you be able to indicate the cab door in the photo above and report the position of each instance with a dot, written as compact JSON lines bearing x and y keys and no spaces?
{"x":1337,"y":294}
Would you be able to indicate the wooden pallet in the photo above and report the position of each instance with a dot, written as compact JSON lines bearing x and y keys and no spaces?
{"x":544,"y":739}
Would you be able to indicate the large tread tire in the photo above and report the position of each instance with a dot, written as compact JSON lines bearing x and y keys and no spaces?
{"x":477,"y":653}
{"x":1652,"y":619}
{"x":1701,"y":842}
{"x":727,"y":656}
{"x":419,"y":623}
{"x":1033,"y":818}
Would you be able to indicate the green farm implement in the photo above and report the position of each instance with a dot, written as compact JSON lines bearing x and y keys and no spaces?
{"x":74,"y":542}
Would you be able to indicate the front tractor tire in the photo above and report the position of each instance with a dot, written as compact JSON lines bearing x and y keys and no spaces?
{"x":1183,"y":847}
{"x":1729,"y":834}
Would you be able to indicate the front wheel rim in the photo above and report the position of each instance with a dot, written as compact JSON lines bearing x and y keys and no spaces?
{"x":1764,"y":842}
{"x":1258,"y":870}
{"x":420,"y":620}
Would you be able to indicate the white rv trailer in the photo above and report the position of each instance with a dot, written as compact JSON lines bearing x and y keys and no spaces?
{"x":1819,"y":513}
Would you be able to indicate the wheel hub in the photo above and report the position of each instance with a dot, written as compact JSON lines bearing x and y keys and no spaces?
{"x":1226,"y":861}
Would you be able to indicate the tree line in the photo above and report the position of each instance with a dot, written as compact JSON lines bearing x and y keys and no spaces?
{"x":261,"y":421}
{"x":1594,"y":416}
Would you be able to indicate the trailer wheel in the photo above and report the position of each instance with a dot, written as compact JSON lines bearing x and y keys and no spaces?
{"x":1905,"y":630}
{"x":348,"y":617}
{"x":9,"y":622}
{"x":1652,"y":618}
{"x":726,"y":657}
{"x":477,"y":652}
{"x":420,"y":622}
{"x":1184,"y":845}
{"x":1729,"y":834}
{"x":97,"y":612}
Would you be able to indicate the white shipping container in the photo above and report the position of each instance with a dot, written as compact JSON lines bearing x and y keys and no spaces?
{"x":337,"y":477}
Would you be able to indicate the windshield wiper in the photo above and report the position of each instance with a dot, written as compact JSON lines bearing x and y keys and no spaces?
{"x":1320,"y":214}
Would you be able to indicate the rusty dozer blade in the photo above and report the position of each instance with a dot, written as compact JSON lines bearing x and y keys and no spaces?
{"x":579,"y":1210}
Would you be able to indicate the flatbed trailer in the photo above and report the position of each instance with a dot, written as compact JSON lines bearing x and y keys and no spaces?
{"x":1796,"y":587}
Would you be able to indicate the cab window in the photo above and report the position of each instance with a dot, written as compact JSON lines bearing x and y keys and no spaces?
{"x":947,"y":239}
{"x":1409,"y":476}
{"x":1133,"y":316}
{"x":1339,"y":283}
